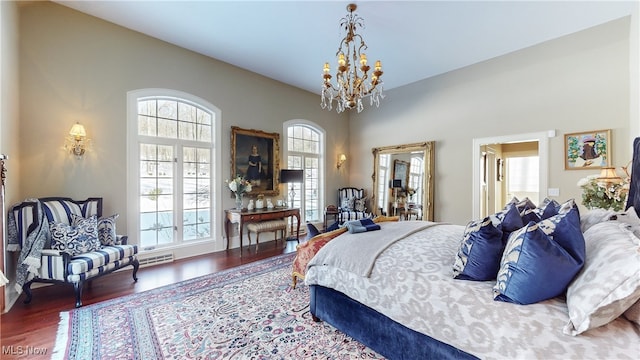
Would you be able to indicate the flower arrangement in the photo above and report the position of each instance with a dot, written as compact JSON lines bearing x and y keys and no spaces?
{"x":599,"y":193}
{"x":239,"y":185}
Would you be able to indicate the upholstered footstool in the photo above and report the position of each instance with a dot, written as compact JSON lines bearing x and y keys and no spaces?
{"x":270,"y":225}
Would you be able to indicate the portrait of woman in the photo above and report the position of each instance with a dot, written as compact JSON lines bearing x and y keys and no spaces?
{"x":254,"y":170}
{"x":254,"y":157}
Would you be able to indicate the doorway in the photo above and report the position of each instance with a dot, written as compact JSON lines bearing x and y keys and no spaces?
{"x":490,"y":170}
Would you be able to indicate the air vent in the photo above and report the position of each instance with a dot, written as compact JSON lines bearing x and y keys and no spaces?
{"x":156,"y":259}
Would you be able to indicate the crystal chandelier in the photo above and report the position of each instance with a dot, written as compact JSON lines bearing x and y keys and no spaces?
{"x":352,"y":85}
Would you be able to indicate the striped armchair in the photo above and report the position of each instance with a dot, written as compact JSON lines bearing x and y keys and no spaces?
{"x":63,"y":259}
{"x":352,"y":204}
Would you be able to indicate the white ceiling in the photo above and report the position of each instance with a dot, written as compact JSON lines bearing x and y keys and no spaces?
{"x":290,"y":40}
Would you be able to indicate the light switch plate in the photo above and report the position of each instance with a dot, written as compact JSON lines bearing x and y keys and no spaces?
{"x":553,"y":192}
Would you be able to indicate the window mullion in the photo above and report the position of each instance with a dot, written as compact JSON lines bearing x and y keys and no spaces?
{"x":179,"y":193}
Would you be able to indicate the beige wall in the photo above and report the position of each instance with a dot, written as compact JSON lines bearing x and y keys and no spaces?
{"x":579,"y":82}
{"x":9,"y":110}
{"x":75,"y":67}
{"x":9,"y":96}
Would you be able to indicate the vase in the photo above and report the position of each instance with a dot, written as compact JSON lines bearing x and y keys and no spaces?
{"x":239,"y":201}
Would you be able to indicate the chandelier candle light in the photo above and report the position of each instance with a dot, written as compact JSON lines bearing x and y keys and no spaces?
{"x":352,"y":83}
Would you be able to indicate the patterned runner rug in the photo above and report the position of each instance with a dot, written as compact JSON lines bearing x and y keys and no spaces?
{"x":247,"y":312}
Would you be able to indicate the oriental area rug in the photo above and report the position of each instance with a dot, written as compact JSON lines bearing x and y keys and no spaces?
{"x":247,"y":312}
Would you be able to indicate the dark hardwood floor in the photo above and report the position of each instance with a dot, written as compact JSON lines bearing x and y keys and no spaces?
{"x":28,"y":329}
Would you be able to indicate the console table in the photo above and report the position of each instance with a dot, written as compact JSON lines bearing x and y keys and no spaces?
{"x":406,"y":210}
{"x":235,"y":216}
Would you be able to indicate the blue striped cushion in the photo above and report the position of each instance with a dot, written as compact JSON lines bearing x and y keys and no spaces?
{"x":24,"y":216}
{"x":108,"y":254}
{"x":52,"y":265}
{"x":73,"y":278}
{"x":352,"y":215}
{"x":60,"y":210}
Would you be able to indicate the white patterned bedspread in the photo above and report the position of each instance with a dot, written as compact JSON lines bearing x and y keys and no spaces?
{"x":412,"y":283}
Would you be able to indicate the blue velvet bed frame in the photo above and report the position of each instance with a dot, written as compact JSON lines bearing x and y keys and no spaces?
{"x":393,"y":340}
{"x":387,"y":337}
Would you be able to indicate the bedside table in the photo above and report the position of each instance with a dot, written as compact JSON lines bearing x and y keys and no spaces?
{"x":332,"y":211}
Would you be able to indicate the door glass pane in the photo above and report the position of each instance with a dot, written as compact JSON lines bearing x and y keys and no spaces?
{"x":522,"y":178}
{"x":196,"y":193}
{"x":156,"y":194}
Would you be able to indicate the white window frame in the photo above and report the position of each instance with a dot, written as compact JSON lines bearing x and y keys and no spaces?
{"x":133,"y":175}
{"x":415,"y":177}
{"x":321,"y":163}
{"x":384,"y":175}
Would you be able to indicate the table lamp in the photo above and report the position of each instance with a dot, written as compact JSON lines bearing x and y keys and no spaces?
{"x":288,"y":176}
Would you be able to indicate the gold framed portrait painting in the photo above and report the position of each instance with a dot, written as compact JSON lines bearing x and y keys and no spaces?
{"x":255,"y":157}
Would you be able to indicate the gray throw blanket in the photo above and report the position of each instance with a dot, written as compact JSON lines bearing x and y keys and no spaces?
{"x":29,"y":261}
{"x":358,"y":226}
{"x":357,"y":253}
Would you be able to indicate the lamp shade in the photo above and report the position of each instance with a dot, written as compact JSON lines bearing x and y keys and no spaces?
{"x":77,"y":130}
{"x":291,"y":176}
{"x":608,"y":173}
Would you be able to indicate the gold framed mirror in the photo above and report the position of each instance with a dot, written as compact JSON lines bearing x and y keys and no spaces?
{"x":416,"y":192}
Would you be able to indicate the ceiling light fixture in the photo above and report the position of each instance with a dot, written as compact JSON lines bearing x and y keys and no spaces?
{"x":352,"y":81}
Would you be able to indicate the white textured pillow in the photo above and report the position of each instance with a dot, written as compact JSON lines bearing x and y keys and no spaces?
{"x":609,"y":283}
{"x":594,"y":216}
{"x":630,"y":217}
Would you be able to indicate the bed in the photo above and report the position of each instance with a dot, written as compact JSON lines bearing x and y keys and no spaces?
{"x":401,"y":298}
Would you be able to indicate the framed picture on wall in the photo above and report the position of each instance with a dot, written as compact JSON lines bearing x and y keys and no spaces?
{"x":587,"y":150}
{"x":255,"y":156}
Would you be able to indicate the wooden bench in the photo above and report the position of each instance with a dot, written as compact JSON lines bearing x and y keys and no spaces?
{"x":270,"y":225}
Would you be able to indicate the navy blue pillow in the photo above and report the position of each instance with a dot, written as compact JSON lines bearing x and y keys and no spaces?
{"x":550,"y":210}
{"x":334,"y":226}
{"x":529,"y":215}
{"x":312,"y":230}
{"x":520,"y":204}
{"x":510,"y":221}
{"x":566,"y":231}
{"x":547,"y":208}
{"x":540,"y":260}
{"x":480,"y":251}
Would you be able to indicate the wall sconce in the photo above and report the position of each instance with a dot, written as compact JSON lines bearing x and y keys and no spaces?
{"x":76,"y":142}
{"x":341,"y":159}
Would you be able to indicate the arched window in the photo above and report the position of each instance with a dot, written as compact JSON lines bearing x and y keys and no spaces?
{"x":305,"y":150}
{"x":383,"y":176}
{"x":171,"y":167}
{"x":415,"y":178}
